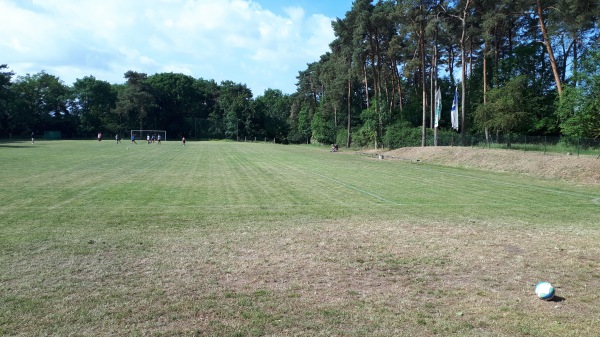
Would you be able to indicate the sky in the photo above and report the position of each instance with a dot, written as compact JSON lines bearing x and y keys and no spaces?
{"x":260,"y":43}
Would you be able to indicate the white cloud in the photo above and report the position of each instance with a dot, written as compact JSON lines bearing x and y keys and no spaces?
{"x":295,"y":13}
{"x":234,"y":40}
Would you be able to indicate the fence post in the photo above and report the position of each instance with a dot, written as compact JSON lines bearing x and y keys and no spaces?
{"x":545,"y":144}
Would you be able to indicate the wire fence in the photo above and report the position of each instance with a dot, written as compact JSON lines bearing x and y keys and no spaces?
{"x":565,"y":145}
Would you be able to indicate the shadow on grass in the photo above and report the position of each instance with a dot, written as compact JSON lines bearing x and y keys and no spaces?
{"x":6,"y":145}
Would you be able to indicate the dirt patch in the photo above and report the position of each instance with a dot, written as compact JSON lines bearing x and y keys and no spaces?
{"x":582,"y":169}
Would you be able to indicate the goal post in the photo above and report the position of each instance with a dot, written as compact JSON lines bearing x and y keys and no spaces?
{"x":142,"y":134}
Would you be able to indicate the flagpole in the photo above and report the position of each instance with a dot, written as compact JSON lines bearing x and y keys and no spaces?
{"x":435,"y":119}
{"x":438,"y":111}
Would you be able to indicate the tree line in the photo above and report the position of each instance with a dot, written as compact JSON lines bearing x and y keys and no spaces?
{"x":519,"y":66}
{"x":178,"y":103}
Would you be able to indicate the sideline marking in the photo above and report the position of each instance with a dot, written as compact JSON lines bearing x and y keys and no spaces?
{"x":357,"y":189}
{"x":297,"y":169}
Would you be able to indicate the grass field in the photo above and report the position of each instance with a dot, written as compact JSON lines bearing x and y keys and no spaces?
{"x":246,"y":239}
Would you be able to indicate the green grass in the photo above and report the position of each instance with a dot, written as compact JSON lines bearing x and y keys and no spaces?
{"x":247,"y":239}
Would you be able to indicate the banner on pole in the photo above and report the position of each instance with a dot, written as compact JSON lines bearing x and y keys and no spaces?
{"x":438,"y":106}
{"x":454,"y":111}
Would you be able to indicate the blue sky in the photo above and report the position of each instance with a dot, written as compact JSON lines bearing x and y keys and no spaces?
{"x":261,"y":43}
{"x":330,"y":8}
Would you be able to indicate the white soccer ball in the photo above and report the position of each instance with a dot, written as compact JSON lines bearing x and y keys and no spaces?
{"x":544,"y":290}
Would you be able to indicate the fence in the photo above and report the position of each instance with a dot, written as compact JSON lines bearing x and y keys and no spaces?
{"x":566,"y":145}
{"x":52,"y":135}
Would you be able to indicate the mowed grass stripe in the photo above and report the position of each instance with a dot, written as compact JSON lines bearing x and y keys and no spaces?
{"x":433,"y":178}
{"x":456,"y":190}
{"x":499,"y":194}
{"x":277,"y":181}
{"x":207,"y":177}
{"x":449,"y":191}
{"x":242,"y":239}
{"x":522,"y":183}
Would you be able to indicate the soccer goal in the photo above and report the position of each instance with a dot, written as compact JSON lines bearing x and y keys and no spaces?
{"x":143,"y":134}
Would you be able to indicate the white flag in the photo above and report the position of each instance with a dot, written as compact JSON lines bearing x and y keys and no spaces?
{"x":454,"y":111}
{"x":438,"y":107}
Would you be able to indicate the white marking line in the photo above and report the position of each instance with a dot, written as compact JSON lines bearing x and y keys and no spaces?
{"x":357,"y":189}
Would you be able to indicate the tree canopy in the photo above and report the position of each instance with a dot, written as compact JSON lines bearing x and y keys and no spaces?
{"x":520,"y":66}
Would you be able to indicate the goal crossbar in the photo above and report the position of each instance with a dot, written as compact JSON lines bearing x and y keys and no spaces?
{"x":141,"y":134}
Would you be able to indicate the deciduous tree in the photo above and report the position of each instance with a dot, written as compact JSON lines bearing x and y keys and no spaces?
{"x":93,"y":101}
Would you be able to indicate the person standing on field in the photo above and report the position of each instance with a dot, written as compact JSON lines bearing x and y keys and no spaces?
{"x":118,"y":138}
{"x":158,"y":139}
{"x":183,"y":140}
{"x":32,"y":137}
{"x":133,"y":138}
{"x":99,"y":136}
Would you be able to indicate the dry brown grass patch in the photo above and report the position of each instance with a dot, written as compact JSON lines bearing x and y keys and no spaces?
{"x":580,"y":169}
{"x":432,"y":278}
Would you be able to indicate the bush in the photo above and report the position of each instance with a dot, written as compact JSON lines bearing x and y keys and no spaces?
{"x":341,"y":137}
{"x":402,"y":134}
{"x":323,"y":131}
{"x":366,"y":136}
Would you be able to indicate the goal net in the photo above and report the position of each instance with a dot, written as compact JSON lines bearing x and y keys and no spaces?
{"x":144,"y":134}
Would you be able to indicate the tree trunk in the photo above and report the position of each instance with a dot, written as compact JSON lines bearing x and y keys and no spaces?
{"x":471,"y":59}
{"x":397,"y":74}
{"x":373,"y":65}
{"x":366,"y":84}
{"x":434,"y":76}
{"x":431,"y":90}
{"x":575,"y":61}
{"x":142,"y":115}
{"x":485,"y":51}
{"x":423,"y":81}
{"x":335,"y":119}
{"x":463,"y":19}
{"x":496,"y":55}
{"x":450,"y":64}
{"x":549,"y":48}
{"x":349,"y":111}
